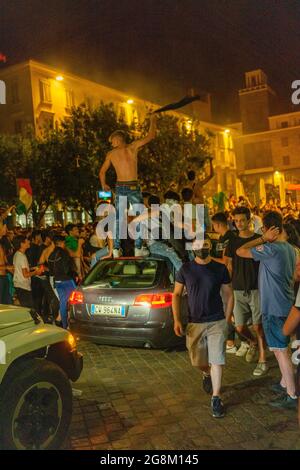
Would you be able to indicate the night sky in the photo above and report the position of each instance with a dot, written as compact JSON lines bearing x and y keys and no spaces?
{"x":158,"y":48}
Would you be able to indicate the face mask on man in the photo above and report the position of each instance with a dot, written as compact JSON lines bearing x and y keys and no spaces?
{"x":203,"y":253}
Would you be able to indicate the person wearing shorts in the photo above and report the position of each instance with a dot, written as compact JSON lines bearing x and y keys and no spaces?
{"x":246,"y":296}
{"x":206,"y":331}
{"x":276,"y":285}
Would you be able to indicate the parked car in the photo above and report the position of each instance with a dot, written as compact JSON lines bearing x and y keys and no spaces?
{"x":37,"y":362}
{"x":126,"y":301}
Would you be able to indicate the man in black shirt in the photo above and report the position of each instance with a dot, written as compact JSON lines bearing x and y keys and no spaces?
{"x":207,"y":326}
{"x":220,"y":226}
{"x":246,"y":298}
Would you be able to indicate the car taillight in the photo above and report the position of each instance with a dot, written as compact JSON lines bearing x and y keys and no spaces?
{"x":76,"y":298}
{"x":154,"y":300}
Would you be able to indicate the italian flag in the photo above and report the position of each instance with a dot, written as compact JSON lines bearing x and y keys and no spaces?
{"x":25,"y":196}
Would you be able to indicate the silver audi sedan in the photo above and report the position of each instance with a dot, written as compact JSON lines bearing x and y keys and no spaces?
{"x":127,"y":302}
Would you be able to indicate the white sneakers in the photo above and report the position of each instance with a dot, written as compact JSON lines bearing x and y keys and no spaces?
{"x":141,"y":251}
{"x":242,"y":351}
{"x":231,"y":349}
{"x":261,"y":369}
{"x":117,"y":253}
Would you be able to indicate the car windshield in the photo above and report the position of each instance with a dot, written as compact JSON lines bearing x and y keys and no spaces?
{"x":121,"y":273}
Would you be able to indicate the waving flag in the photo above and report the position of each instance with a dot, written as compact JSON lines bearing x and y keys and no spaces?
{"x":25,"y":196}
{"x":179,"y":104}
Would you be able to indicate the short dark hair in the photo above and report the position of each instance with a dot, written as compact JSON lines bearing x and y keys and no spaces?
{"x":118,"y":133}
{"x":153,"y":199}
{"x":219,"y":217}
{"x":18,"y":240}
{"x":69,"y":228}
{"x":35,"y":234}
{"x":191,"y":175}
{"x":242,"y":210}
{"x":58,"y":238}
{"x":292,"y":234}
{"x":172,"y":195}
{"x":187,"y":194}
{"x":273,"y":219}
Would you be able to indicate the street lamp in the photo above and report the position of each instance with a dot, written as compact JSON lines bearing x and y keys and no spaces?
{"x":59,"y":78}
{"x":130,"y":101}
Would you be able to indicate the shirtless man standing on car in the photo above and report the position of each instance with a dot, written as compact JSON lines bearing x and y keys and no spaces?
{"x":123,"y":157}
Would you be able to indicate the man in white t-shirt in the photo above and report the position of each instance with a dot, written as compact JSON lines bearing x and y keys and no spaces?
{"x":22,"y":273}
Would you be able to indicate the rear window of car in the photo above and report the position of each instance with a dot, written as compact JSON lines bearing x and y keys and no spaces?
{"x":122,"y":274}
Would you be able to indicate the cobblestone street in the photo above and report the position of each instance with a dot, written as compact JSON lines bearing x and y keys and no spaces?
{"x":149,"y":399}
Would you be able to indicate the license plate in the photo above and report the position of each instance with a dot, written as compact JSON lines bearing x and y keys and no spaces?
{"x":110,"y":310}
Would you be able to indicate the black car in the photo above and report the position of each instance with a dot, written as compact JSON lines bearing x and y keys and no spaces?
{"x":126,"y":301}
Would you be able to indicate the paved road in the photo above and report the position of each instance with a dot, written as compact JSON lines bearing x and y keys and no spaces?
{"x":148,"y":399}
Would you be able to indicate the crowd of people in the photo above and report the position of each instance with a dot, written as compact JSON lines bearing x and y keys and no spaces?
{"x":241,"y":278}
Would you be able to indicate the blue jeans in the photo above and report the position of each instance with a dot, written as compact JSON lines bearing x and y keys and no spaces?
{"x":64,"y":289}
{"x":98,"y":255}
{"x":134,"y":196}
{"x":161,"y":249}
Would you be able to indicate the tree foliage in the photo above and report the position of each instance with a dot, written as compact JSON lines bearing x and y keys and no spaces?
{"x":165,"y":158}
{"x":64,"y":163}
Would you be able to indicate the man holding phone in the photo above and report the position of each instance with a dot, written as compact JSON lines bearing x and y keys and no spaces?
{"x":123,"y":157}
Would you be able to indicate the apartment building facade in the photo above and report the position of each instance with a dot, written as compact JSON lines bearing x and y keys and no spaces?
{"x":267,"y":145}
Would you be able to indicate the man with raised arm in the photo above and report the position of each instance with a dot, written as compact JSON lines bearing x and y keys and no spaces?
{"x":123,"y":157}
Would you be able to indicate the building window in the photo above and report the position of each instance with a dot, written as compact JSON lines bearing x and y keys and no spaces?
{"x":284,"y":142}
{"x":18,"y":127}
{"x":284,"y":124}
{"x":286,"y":160}
{"x":45,"y":91}
{"x":69,"y":99}
{"x":15,"y":98}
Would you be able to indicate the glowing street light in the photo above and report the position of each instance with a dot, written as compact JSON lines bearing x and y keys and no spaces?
{"x":227,"y":131}
{"x":59,"y":78}
{"x":130,"y":101}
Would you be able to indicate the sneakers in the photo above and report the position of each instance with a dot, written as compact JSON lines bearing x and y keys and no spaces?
{"x":286,"y":402}
{"x":261,"y":369}
{"x":217,"y":407}
{"x":278,"y":388}
{"x":141,"y":252}
{"x":117,"y":253}
{"x":242,"y":349}
{"x":206,"y":384}
{"x":251,"y":353}
{"x":231,"y":349}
